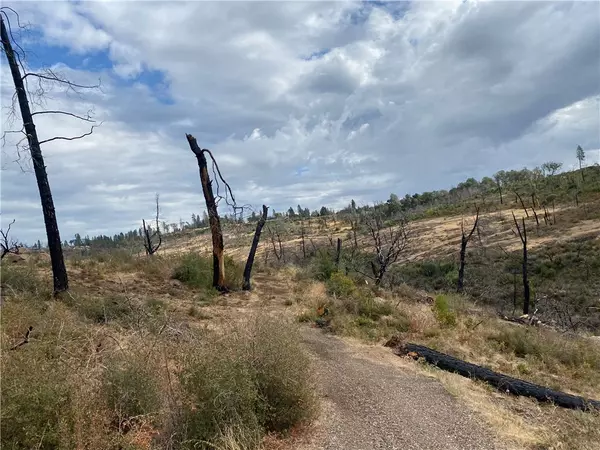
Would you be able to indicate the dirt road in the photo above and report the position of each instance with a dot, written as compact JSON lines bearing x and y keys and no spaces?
{"x":371,"y":402}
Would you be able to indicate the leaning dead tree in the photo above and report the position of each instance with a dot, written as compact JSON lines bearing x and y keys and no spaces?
{"x":464,"y":240}
{"x":388,"y":242}
{"x":152,"y":238}
{"x":522,"y":231}
{"x":7,"y":244}
{"x":250,"y":261}
{"x":23,"y":96}
{"x":211,"y":206}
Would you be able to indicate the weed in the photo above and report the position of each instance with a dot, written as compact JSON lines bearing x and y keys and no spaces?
{"x":130,"y":390}
{"x":443,"y":312}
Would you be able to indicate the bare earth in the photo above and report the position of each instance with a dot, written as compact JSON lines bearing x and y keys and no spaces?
{"x":371,"y":402}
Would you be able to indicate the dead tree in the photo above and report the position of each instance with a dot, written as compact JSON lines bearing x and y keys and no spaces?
{"x":522,"y":204}
{"x":273,"y":235}
{"x":464,"y":240}
{"x":303,"y":243}
{"x":7,"y":244}
{"x":523,"y":236}
{"x":338,"y":253}
{"x":502,"y":382}
{"x":211,"y":206}
{"x":23,"y":96}
{"x":150,"y":243}
{"x":250,"y":261}
{"x":389,"y":244}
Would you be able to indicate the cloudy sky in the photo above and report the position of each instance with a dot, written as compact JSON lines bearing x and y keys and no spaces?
{"x":301,"y":102}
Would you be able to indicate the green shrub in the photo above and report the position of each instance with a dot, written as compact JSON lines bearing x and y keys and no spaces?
{"x":253,"y":379}
{"x":130,"y":389}
{"x":197,"y":272}
{"x":36,"y":402}
{"x":340,"y":285}
{"x":24,"y":280}
{"x":445,"y":315}
{"x":102,"y":309}
{"x":373,"y":308}
{"x":323,"y":266}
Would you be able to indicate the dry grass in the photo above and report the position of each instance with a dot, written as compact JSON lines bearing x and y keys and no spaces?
{"x":117,"y":363}
{"x":453,"y":325}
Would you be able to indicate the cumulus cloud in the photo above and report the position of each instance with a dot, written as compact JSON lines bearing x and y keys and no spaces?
{"x":302,"y":102}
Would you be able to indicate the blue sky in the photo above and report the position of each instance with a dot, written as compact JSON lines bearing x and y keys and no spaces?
{"x":310,"y":103}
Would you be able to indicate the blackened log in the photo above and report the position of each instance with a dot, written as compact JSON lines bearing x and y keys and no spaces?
{"x":503,"y":383}
{"x":250,"y":261}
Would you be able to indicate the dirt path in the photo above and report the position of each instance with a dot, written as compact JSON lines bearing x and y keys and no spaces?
{"x":371,"y":402}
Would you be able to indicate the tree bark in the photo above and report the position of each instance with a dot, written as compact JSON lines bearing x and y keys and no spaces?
{"x":526,"y":292}
{"x":464,"y":240}
{"x":502,"y":382}
{"x":250,"y":261}
{"x":213,"y":217}
{"x":338,"y":253}
{"x":59,"y":271}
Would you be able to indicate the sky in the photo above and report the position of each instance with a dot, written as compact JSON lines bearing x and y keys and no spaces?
{"x":311,"y":103}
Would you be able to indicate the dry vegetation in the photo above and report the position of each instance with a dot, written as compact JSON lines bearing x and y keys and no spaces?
{"x":117,"y":363}
{"x":143,"y":353}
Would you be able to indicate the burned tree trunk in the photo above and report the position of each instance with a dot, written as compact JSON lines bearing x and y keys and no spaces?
{"x":338,"y":253}
{"x":464,"y":240}
{"x":149,"y":244}
{"x":526,"y":290}
{"x":522,"y":204}
{"x":250,"y":261}
{"x":502,"y":382}
{"x":213,"y":216}
{"x":59,"y":271}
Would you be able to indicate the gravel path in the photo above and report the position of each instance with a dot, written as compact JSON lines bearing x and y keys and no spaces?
{"x":371,"y":402}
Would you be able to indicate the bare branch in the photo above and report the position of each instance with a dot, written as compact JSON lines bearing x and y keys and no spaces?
{"x":8,"y":245}
{"x":56,"y":138}
{"x":24,"y":341}
{"x":87,"y":118}
{"x":54,"y":77}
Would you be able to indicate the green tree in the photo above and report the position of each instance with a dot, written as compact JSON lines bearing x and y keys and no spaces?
{"x":551,"y":167}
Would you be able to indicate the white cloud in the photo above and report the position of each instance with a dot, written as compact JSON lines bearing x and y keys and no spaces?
{"x":367,"y":100}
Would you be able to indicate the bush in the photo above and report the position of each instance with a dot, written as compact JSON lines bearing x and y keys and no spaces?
{"x":197,"y":272}
{"x":340,"y":285}
{"x":130,"y":390}
{"x":443,"y":312}
{"x":253,"y":379}
{"x":323,"y":266}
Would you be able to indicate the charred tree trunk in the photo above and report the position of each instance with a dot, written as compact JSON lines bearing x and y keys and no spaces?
{"x":250,"y":261}
{"x":522,"y":204}
{"x":526,"y":290}
{"x":464,"y":240}
{"x":502,"y":382}
{"x":213,"y":217}
{"x":536,"y":217}
{"x":59,"y":271}
{"x":338,"y":254}
{"x":500,"y":191}
{"x":149,"y":245}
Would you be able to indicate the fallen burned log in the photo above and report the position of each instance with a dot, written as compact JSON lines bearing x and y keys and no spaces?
{"x":502,"y":382}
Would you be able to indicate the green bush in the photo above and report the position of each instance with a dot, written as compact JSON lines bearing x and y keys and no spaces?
{"x":130,"y":389}
{"x":197,"y":272}
{"x":340,"y":285}
{"x":445,"y":315}
{"x":102,"y":309}
{"x":253,"y":379}
{"x":36,"y":402}
{"x":323,"y":266}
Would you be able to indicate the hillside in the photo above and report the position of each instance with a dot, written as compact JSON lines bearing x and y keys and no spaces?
{"x":131,"y":345}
